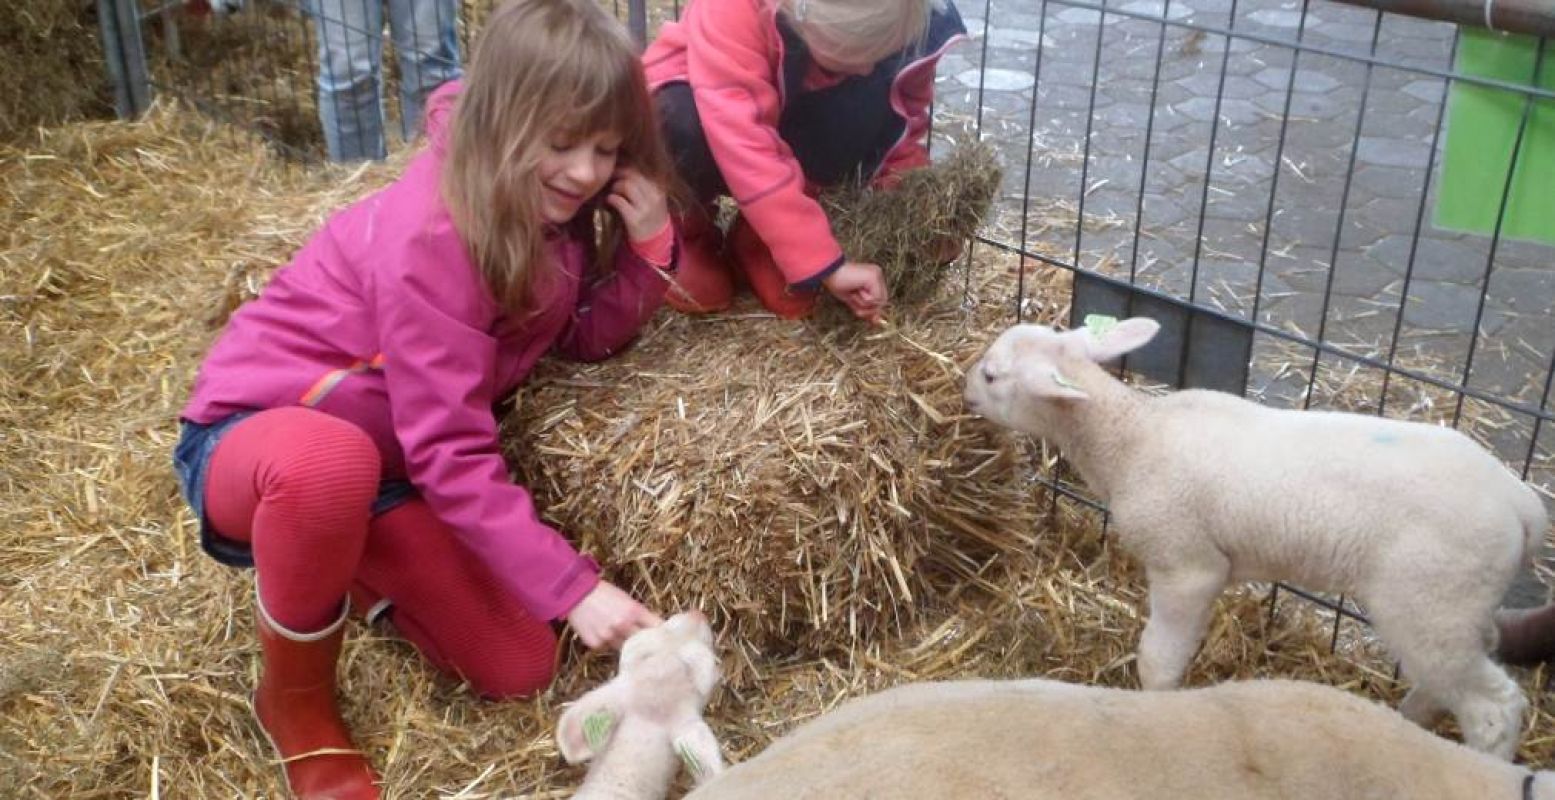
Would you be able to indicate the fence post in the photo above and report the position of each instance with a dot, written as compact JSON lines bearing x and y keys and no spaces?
{"x":637,"y":21}
{"x":125,"y":55}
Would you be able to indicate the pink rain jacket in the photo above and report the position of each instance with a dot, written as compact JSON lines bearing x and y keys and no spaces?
{"x":382,"y":319}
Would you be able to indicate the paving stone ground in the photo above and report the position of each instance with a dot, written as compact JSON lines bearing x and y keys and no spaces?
{"x":1275,"y":184}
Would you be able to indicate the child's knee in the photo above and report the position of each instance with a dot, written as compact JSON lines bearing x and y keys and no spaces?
{"x":687,"y":143}
{"x":329,"y":462}
{"x":516,"y":674}
{"x":678,"y":116}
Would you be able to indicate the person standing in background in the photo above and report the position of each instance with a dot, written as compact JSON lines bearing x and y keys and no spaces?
{"x":350,"y":75}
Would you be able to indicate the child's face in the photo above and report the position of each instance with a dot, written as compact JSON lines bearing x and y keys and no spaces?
{"x":572,"y":170}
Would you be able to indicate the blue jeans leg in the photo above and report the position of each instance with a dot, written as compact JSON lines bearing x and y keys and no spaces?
{"x":350,"y":40}
{"x":426,"y":39}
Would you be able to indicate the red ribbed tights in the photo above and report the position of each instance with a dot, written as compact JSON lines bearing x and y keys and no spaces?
{"x":298,"y":486}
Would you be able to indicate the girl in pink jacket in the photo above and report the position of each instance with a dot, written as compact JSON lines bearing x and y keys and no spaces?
{"x":768,"y":100}
{"x":341,"y":437}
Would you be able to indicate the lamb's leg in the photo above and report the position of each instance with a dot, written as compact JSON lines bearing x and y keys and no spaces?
{"x":1181,"y":600}
{"x":1492,"y":716}
{"x":1487,"y":704}
{"x":1448,"y":662}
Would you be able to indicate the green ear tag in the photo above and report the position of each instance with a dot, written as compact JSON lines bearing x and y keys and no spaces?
{"x":596,"y":729}
{"x":1058,"y":378}
{"x":693,"y":764}
{"x":1100,"y":324}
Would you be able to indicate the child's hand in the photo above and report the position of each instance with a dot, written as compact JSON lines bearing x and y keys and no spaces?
{"x":606,"y":616}
{"x":861,"y":287}
{"x":640,"y":202}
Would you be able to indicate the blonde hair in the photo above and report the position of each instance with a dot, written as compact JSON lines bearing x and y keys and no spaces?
{"x":541,"y":67}
{"x":863,"y":30}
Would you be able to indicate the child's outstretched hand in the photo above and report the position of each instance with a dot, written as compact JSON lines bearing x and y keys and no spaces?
{"x":606,"y":616}
{"x":640,"y":202}
{"x":861,"y":287}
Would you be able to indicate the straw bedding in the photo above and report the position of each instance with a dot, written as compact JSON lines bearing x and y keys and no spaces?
{"x":813,"y":485}
{"x":253,"y":68}
{"x":51,"y":65}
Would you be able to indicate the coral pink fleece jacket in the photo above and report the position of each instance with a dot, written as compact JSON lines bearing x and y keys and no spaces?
{"x":382,"y":319}
{"x":730,"y":52}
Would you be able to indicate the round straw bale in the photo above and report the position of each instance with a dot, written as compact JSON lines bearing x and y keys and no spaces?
{"x":816,"y":485}
{"x":902,"y":229}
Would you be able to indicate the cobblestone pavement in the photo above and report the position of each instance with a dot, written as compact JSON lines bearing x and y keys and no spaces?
{"x":1185,"y":210}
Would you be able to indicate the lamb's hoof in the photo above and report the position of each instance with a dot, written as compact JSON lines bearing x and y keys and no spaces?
{"x":1421,"y":709}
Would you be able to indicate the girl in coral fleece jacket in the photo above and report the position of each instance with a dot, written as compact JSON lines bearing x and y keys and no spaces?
{"x":341,"y":437}
{"x":767,"y":101}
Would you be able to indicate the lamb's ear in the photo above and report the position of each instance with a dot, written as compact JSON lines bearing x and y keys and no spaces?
{"x":698,"y":750}
{"x":1105,"y":338}
{"x":586,"y":725}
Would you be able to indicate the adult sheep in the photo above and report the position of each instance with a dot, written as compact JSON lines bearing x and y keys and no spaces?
{"x":1043,"y":740}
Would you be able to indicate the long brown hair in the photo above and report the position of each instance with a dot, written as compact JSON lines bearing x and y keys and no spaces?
{"x":541,"y":66}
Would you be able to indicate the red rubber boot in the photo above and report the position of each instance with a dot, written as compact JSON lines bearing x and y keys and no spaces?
{"x":754,"y":260}
{"x":703,"y":282}
{"x":295,"y":704}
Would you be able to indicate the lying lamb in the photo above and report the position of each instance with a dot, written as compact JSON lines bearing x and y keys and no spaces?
{"x":1416,"y":521}
{"x":649,"y":717}
{"x":1043,"y":740}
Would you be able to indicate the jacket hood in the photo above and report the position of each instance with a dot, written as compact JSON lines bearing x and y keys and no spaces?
{"x":440,"y":114}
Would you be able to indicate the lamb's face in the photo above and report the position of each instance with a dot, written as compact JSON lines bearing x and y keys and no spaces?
{"x":676,"y":658}
{"x":1000,"y":385}
{"x":667,"y":674}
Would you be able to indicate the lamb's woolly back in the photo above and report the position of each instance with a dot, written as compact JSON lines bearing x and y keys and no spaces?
{"x":647,"y":719}
{"x":1047,"y":740}
{"x":1420,"y":523}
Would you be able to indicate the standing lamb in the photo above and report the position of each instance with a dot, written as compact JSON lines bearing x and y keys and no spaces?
{"x":648,"y":718}
{"x":1418,"y":522}
{"x":1043,"y":740}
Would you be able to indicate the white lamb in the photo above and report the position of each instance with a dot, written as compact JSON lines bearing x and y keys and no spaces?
{"x":1043,"y":740}
{"x":1418,"y":522}
{"x":648,"y":718}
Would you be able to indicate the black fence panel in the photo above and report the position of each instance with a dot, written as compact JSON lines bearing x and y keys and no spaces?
{"x":1283,"y":185}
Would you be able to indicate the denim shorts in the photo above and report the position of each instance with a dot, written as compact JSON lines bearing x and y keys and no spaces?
{"x":192,"y":456}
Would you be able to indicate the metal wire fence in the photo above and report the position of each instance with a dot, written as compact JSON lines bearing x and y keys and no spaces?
{"x":342,"y":79}
{"x":1325,"y":205}
{"x":314,"y":77}
{"x":1276,"y":182}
